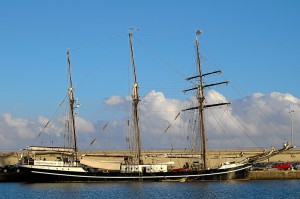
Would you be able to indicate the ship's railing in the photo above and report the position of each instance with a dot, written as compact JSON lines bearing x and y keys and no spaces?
{"x":30,"y":161}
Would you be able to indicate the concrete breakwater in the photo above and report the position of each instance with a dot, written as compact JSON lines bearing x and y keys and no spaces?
{"x":275,"y":175}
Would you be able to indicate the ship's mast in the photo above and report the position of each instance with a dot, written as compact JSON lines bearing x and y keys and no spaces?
{"x":201,"y":103}
{"x":135,"y":102}
{"x":71,"y":107}
{"x":200,"y":97}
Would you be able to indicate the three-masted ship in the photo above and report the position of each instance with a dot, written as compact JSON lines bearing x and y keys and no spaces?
{"x":71,"y":169}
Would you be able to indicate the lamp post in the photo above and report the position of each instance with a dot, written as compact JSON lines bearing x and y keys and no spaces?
{"x":292,"y":126}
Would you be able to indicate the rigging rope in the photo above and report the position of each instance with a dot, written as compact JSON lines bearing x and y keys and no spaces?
{"x":239,"y":93}
{"x":109,"y":54}
{"x":50,"y":119}
{"x":160,"y":58}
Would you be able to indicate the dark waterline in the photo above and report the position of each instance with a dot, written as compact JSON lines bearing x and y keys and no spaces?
{"x":248,"y":189}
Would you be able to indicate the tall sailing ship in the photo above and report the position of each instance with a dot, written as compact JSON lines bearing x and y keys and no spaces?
{"x":69,"y":168}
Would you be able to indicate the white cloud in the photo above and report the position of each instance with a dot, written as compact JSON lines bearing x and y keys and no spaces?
{"x":84,"y":126}
{"x":18,"y":133}
{"x":264,"y":118}
{"x":42,"y":119}
{"x":114,"y":100}
{"x":14,"y":122}
{"x":14,"y":131}
{"x":22,"y":127}
{"x":256,"y":120}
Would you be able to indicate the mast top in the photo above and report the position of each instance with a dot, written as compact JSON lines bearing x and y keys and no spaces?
{"x":199,"y":32}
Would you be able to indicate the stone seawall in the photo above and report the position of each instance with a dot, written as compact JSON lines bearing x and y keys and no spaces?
{"x":275,"y":175}
{"x":179,"y":157}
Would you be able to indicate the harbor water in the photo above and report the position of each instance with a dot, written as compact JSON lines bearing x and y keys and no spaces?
{"x":234,"y":189}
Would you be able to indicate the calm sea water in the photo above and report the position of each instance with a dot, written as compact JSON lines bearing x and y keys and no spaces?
{"x":249,"y":189}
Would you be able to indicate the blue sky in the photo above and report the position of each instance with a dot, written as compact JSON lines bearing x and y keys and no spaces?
{"x":256,"y":44}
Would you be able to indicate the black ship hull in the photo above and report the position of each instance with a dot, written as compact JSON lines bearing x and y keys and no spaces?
{"x":41,"y":175}
{"x":14,"y":176}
